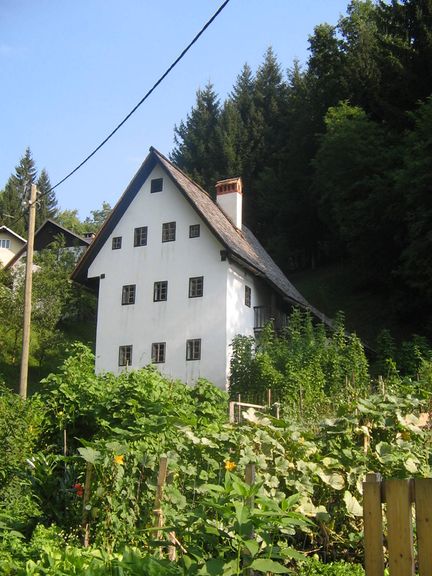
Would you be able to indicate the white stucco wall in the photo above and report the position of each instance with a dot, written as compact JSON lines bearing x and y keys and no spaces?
{"x":179,"y":318}
{"x":240,"y":318}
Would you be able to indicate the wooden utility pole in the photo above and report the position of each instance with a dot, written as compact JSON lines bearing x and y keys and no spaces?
{"x":28,"y":294}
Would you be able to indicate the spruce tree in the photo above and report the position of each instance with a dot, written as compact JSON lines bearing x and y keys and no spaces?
{"x":199,"y":150}
{"x":13,"y":209}
{"x":47,"y":201}
{"x":16,"y":193}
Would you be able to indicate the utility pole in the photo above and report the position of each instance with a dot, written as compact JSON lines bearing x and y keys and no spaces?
{"x":28,"y":294}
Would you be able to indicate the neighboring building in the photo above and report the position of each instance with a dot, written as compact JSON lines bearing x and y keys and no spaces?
{"x":179,"y":276}
{"x":10,"y":244}
{"x":46,"y":234}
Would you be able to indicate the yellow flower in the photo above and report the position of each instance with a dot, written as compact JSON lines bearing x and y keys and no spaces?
{"x":229,"y":465}
{"x":119,"y":459}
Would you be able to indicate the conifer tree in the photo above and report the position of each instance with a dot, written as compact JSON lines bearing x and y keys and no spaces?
{"x":13,"y":211}
{"x":16,"y":192}
{"x":199,"y":150}
{"x":47,"y":202}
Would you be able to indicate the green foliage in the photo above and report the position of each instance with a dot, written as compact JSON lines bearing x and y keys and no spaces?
{"x":21,"y":427}
{"x":313,"y":567}
{"x":306,"y":496}
{"x":317,"y":150}
{"x":308,"y":370}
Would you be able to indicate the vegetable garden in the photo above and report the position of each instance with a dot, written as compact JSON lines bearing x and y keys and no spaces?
{"x":83,"y":491}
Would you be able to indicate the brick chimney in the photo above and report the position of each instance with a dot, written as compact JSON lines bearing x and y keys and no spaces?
{"x":229,"y":196}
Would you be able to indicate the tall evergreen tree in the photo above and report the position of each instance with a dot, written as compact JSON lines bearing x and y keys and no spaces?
{"x":199,"y":148}
{"x":16,"y":192}
{"x":47,"y":201}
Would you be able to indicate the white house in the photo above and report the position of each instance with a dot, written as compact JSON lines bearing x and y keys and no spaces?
{"x":49,"y":232}
{"x":10,"y":244}
{"x":179,"y":276}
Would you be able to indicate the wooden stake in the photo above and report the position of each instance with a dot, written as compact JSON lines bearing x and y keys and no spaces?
{"x":159,"y":520}
{"x":85,"y":514}
{"x":28,"y":295}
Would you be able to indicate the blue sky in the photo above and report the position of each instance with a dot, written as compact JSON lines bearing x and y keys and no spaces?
{"x":72,"y":69}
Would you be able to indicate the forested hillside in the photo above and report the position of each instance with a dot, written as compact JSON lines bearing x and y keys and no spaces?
{"x":336,"y":157}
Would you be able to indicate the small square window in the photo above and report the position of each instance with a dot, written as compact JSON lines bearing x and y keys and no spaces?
{"x":194,"y":231}
{"x":156,"y":185}
{"x":140,"y":236}
{"x":160,"y":291}
{"x":158,"y":352}
{"x":125,"y":355}
{"x":116,"y":242}
{"x":196,"y":287}
{"x":248,"y":296}
{"x":5,"y":243}
{"x":193,"y":349}
{"x":128,"y":294}
{"x":168,"y":232}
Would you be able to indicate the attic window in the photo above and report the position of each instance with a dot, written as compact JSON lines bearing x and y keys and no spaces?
{"x":140,"y":236}
{"x":168,"y":232}
{"x":194,"y":231}
{"x":248,"y":296}
{"x":156,"y":185}
{"x":4,"y":243}
{"x":116,"y":242}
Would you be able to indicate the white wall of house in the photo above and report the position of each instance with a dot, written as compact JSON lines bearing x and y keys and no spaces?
{"x":240,"y":317}
{"x":179,"y":318}
{"x":9,"y":246}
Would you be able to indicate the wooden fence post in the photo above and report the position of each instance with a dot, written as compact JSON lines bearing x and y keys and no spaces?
{"x":398,"y":495}
{"x":423,"y":502}
{"x":373,"y":525}
{"x":231,"y":412}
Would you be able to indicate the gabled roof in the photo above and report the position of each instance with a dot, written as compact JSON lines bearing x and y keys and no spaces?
{"x":241,"y":246}
{"x":46,"y":234}
{"x":14,"y":234}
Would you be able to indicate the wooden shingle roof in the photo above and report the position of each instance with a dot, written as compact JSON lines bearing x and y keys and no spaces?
{"x":240,"y":245}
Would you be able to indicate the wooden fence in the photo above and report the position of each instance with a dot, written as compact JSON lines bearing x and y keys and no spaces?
{"x":404,"y":500}
{"x":236,"y":407}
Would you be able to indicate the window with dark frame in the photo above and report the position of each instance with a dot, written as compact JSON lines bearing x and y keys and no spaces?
{"x":116,"y":242}
{"x":248,"y":296}
{"x":125,"y":355}
{"x":194,"y":231}
{"x":160,"y":291}
{"x":193,"y":349}
{"x":140,"y":236}
{"x":156,"y":185}
{"x":158,"y":352}
{"x":196,"y":286}
{"x":128,"y":294}
{"x":168,"y":232}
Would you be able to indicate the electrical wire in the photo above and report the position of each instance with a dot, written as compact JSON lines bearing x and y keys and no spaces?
{"x":144,"y":98}
{"x":135,"y":108}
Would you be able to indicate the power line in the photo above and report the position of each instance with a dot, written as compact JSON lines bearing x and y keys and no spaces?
{"x":155,"y":85}
{"x":143,"y":99}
